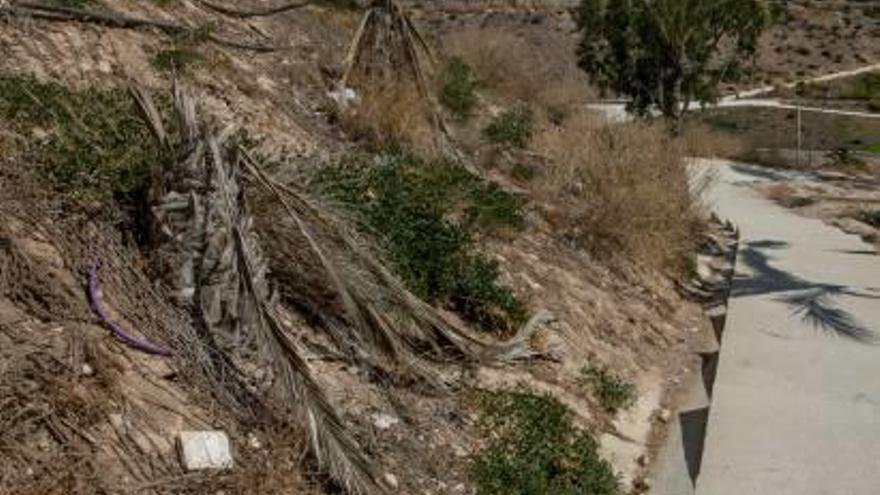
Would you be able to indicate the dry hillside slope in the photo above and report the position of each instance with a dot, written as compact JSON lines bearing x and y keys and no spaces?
{"x":201,"y":231}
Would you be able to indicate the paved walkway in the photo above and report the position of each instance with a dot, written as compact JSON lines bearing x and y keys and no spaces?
{"x":796,"y":405}
{"x":615,"y":111}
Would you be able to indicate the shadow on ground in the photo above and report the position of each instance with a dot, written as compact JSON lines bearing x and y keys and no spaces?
{"x":693,"y":436}
{"x":812,"y":302}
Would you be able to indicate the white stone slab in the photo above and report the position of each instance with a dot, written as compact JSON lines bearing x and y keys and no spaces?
{"x":204,"y":450}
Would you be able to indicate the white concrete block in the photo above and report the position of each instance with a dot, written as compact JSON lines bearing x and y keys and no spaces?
{"x":204,"y":450}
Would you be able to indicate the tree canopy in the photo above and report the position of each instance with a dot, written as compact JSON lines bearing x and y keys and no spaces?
{"x":663,"y":54}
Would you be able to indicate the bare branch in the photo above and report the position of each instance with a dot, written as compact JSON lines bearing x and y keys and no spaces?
{"x":244,"y":14}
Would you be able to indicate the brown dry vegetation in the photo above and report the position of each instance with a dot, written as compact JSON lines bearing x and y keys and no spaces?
{"x":391,"y":113}
{"x":518,"y":68}
{"x":622,"y":190}
{"x":613,"y":190}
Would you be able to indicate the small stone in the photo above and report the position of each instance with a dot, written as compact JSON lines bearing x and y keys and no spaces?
{"x":642,"y":485}
{"x":204,"y":450}
{"x":642,"y":460}
{"x":459,"y":487}
{"x":118,"y":421}
{"x":664,"y":415}
{"x":459,"y":451}
{"x":254,"y":441}
{"x":391,"y":480}
{"x":384,"y":421}
{"x":87,"y":369}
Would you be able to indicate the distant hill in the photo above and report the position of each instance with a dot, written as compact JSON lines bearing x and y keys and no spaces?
{"x":810,"y":37}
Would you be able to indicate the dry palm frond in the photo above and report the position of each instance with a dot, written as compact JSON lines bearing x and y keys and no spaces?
{"x":217,"y":266}
{"x":388,"y":49}
{"x":369,"y":312}
{"x":386,"y":45}
{"x":382,"y":314}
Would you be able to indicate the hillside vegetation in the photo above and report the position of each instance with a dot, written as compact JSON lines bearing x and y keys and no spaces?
{"x":384,"y":248}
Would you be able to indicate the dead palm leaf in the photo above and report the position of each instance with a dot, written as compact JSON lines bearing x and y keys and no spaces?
{"x":220,"y":271}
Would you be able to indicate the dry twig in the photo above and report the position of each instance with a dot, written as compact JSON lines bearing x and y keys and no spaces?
{"x":244,"y":14}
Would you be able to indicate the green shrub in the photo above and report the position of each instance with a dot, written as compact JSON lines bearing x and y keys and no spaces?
{"x":341,"y":4}
{"x":178,"y":57}
{"x":866,"y":87}
{"x":844,"y":157}
{"x":511,"y":128}
{"x":426,"y":216}
{"x":183,"y":52}
{"x":78,"y":4}
{"x":97,"y":145}
{"x":796,"y":201}
{"x":613,"y":392}
{"x":534,"y":449}
{"x":870,"y":217}
{"x":459,"y":90}
{"x":523,"y":172}
{"x":872,"y":148}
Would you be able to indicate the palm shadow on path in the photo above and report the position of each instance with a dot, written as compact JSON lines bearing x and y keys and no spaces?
{"x":813,"y":302}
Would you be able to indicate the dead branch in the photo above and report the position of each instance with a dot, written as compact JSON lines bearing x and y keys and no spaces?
{"x":112,"y":19}
{"x":244,"y":14}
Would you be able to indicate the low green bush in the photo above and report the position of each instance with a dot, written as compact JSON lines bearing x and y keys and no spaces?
{"x":511,"y":128}
{"x":177,"y":57}
{"x":613,"y":392}
{"x":95,"y":142}
{"x":524,"y":172}
{"x":870,"y":217}
{"x":844,"y":157}
{"x":184,"y":50}
{"x":73,"y":3}
{"x":459,"y":90}
{"x":866,"y":87}
{"x":426,"y":216}
{"x":534,"y":449}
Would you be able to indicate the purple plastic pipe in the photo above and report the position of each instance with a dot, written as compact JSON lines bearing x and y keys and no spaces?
{"x":118,"y":332}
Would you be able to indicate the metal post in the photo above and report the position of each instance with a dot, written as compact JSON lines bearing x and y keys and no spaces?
{"x":799,"y":137}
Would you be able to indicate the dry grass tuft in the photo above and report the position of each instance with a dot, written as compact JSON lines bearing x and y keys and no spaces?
{"x":701,"y":141}
{"x":511,"y":67}
{"x":493,"y":56}
{"x":392,"y":113}
{"x":621,"y":190}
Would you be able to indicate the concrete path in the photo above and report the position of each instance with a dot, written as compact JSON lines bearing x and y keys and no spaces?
{"x":615,"y":111}
{"x":795,"y":408}
{"x":776,"y":103}
{"x":754,"y":92}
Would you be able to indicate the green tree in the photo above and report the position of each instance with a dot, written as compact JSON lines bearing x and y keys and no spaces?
{"x":664,"y":54}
